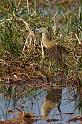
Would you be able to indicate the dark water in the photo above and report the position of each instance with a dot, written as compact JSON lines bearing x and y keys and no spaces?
{"x":61,"y":102}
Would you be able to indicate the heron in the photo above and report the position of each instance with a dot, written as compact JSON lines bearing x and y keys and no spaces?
{"x":54,"y":49}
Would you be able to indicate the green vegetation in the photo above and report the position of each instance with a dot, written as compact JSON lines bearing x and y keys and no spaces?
{"x":20,"y":46}
{"x":18,"y":20}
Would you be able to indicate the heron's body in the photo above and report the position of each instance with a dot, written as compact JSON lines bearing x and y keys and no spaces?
{"x":54,"y":49}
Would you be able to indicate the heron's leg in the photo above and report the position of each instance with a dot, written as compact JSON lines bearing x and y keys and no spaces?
{"x":57,"y":66}
{"x":53,"y":66}
{"x":50,"y":65}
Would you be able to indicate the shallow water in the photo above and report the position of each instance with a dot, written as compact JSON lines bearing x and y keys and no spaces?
{"x":33,"y":102}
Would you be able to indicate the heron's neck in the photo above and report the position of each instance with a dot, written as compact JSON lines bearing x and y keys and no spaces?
{"x":46,"y":40}
{"x":45,"y":36}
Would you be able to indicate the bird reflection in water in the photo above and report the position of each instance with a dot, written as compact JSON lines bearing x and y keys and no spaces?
{"x":52,"y":100}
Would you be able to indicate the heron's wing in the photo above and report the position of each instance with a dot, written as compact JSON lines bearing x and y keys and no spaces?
{"x":55,"y":52}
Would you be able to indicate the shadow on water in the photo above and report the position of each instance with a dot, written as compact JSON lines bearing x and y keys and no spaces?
{"x":54,"y":104}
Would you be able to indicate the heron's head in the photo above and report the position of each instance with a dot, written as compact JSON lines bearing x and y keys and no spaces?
{"x":44,"y":32}
{"x":41,"y":30}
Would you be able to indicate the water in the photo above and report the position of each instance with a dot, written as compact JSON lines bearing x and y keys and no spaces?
{"x":35,"y":99}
